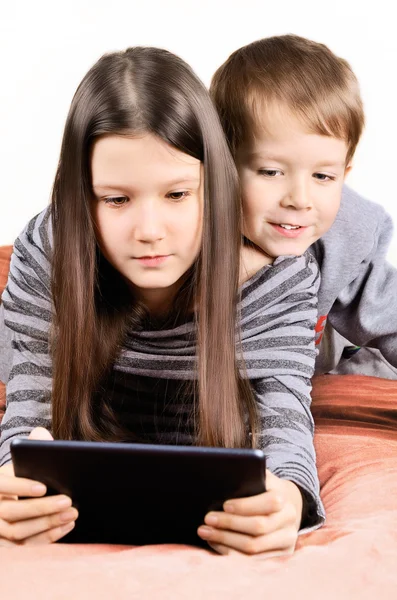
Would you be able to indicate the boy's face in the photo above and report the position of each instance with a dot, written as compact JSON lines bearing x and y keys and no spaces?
{"x":291,"y":184}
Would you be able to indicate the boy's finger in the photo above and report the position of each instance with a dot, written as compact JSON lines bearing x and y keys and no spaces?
{"x":262,"y":504}
{"x":18,"y":486}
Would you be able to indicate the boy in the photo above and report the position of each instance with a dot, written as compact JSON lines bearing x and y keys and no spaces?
{"x":293,"y":116}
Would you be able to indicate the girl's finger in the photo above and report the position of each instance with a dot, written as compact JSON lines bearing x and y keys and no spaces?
{"x":257,"y":525}
{"x":47,"y":537}
{"x":7,"y":469}
{"x":262,"y":504}
{"x":22,"y":530}
{"x":18,"y":486}
{"x":272,"y":481}
{"x":225,"y":550}
{"x":40,"y":433}
{"x":281,"y":540}
{"x":50,"y":536}
{"x":22,"y":510}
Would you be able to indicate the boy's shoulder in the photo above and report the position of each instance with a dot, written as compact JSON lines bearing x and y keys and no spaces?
{"x":359,"y":228}
{"x":354,"y":206}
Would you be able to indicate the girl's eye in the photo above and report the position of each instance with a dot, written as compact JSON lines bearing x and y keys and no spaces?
{"x":116,"y":200}
{"x":178,"y":196}
{"x":323,"y":177}
{"x":270,"y":172}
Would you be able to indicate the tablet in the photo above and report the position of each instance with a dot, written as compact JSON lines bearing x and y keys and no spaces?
{"x":140,"y":493}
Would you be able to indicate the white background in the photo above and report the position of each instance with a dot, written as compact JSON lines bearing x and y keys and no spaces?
{"x":47,"y":47}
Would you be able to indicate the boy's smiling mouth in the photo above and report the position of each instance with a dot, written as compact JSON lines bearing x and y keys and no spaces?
{"x":286,"y":226}
{"x":288,"y":229}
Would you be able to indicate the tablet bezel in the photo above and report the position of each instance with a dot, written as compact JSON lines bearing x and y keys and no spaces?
{"x":175,"y":485}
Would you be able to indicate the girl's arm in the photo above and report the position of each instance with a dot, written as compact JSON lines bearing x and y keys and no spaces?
{"x":27,"y":316}
{"x":33,"y":520}
{"x":279,"y":313}
{"x":287,"y":440}
{"x":27,"y":313}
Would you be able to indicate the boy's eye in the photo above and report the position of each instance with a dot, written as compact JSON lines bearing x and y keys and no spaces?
{"x":270,"y":172}
{"x":178,"y":196}
{"x":116,"y":200}
{"x":323,"y":177}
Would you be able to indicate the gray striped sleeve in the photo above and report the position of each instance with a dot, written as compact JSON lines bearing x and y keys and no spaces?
{"x":27,"y":315}
{"x":280,"y":355}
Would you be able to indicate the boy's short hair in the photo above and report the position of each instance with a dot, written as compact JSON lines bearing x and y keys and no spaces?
{"x":317,"y":86}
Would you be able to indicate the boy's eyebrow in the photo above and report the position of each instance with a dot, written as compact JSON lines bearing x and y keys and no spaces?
{"x":264,"y":155}
{"x":268,"y":156}
{"x":330,"y":163}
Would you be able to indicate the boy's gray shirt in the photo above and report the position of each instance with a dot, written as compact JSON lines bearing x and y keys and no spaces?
{"x":358,"y":291}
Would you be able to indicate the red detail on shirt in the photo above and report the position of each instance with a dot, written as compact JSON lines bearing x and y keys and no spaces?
{"x":319,"y":328}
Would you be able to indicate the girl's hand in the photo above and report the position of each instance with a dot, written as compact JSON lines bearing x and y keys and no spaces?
{"x":35,"y":520}
{"x":265,"y":524}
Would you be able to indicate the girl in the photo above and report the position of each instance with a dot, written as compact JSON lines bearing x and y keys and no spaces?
{"x":122,"y":307}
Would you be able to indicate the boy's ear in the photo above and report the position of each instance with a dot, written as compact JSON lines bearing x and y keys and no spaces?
{"x":348,"y":168}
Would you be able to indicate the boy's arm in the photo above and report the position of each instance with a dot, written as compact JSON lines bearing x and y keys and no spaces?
{"x":365,"y":311}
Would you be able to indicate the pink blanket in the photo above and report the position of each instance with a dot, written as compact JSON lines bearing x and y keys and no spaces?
{"x":353,"y":556}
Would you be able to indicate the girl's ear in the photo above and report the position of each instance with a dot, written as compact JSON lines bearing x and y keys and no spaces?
{"x":348,"y":168}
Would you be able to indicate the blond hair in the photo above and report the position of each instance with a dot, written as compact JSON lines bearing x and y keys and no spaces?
{"x":315,"y":85}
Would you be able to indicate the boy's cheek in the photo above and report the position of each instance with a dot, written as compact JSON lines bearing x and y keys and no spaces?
{"x":331,"y":208}
{"x":255,"y":195}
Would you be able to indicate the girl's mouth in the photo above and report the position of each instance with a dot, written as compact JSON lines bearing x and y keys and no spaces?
{"x":152,"y":261}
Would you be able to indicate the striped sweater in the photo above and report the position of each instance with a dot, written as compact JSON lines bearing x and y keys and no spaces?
{"x":278,"y":308}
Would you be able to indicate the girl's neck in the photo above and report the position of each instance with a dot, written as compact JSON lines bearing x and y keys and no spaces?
{"x":159,"y":302}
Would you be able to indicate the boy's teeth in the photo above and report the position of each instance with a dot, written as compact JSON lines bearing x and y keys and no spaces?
{"x":284,"y":226}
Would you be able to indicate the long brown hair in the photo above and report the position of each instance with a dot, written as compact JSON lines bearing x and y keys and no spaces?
{"x":295,"y":73}
{"x":135,"y":91}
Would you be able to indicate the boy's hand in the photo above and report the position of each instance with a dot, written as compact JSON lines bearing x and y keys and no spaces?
{"x":34,"y":520}
{"x":265,"y":524}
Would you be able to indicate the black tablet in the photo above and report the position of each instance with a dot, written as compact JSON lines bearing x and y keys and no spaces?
{"x":137,"y":493}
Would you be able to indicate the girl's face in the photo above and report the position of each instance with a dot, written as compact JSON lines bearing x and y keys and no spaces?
{"x":148,"y":212}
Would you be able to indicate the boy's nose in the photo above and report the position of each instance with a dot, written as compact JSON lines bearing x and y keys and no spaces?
{"x":297,"y":198}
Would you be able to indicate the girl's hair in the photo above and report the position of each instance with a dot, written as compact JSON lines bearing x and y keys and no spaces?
{"x":315,"y":85}
{"x":143,"y":90}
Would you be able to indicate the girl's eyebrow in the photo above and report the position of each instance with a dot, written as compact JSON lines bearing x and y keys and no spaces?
{"x":185,"y":179}
{"x":177,"y":181}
